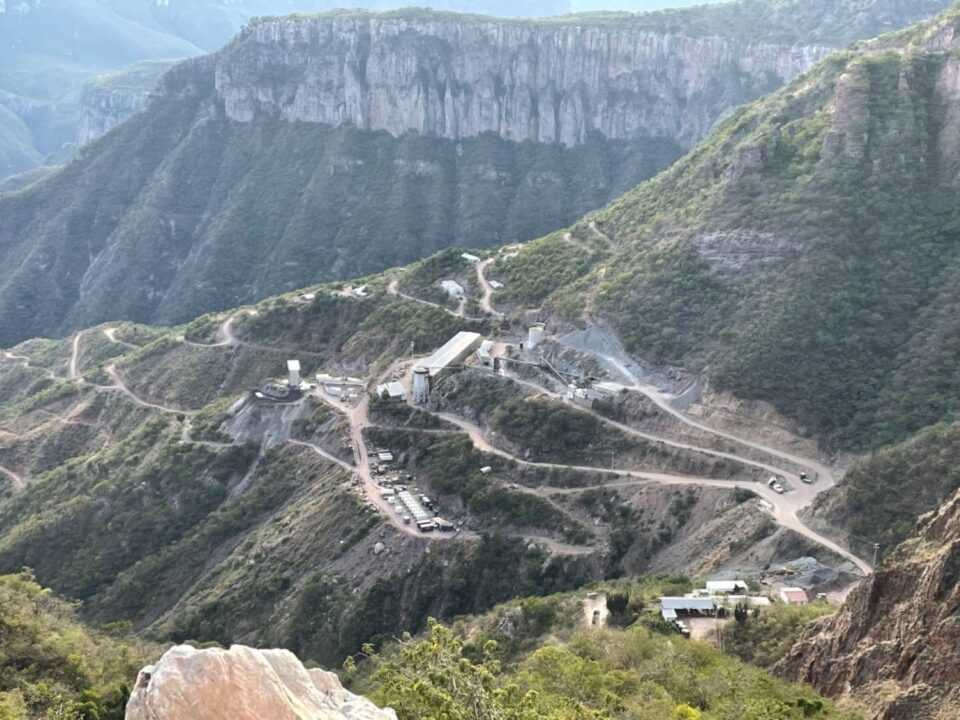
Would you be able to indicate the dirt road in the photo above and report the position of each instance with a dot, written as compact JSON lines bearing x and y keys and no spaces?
{"x":18,"y":482}
{"x":486,"y":302}
{"x":767,"y":469}
{"x":73,"y":369}
{"x":324,"y":454}
{"x":783,"y":507}
{"x":120,"y":385}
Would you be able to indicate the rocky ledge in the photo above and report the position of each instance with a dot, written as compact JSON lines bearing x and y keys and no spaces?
{"x":243,"y":684}
{"x":893,"y":644}
{"x":456,"y":76}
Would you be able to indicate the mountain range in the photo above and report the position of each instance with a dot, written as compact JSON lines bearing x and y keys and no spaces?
{"x":166,"y":217}
{"x":49,"y":50}
{"x":726,"y":291}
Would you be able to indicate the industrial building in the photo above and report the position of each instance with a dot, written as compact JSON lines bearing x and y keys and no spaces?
{"x":535,"y":335}
{"x":393,"y":391}
{"x":340,"y":387}
{"x":293,"y":373}
{"x":485,"y":353}
{"x":455,"y":350}
{"x":729,"y":587}
{"x":421,"y":385}
{"x":671,"y":607}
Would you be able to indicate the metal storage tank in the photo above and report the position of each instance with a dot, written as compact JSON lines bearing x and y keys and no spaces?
{"x":421,"y":384}
{"x":293,"y":373}
{"x":535,"y":335}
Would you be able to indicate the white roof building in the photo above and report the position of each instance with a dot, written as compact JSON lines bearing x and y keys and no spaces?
{"x":485,"y":352}
{"x":456,"y":350}
{"x":794,"y":596}
{"x":472,"y":259}
{"x":726,"y":586}
{"x":394,"y":390}
{"x":496,"y":284}
{"x":453,"y":289}
{"x":293,"y":373}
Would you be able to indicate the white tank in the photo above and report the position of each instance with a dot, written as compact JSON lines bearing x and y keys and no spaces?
{"x":534,"y":336}
{"x":421,"y":385}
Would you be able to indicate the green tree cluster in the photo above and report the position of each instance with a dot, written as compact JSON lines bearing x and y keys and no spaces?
{"x":595,"y":675}
{"x":53,"y":668}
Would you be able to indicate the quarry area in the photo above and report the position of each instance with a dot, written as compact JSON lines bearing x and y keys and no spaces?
{"x":549,"y":435}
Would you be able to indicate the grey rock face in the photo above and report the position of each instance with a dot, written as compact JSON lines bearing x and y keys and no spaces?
{"x":553,"y":83}
{"x":103,"y":108}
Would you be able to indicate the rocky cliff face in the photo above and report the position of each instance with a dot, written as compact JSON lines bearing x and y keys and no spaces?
{"x":243,"y":684}
{"x":545,"y":82}
{"x":108,"y":100}
{"x":893,"y":645}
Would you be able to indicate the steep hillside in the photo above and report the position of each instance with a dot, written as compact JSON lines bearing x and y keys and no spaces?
{"x":805,"y":254}
{"x":266,"y":167}
{"x":53,"y":666}
{"x":589,"y":674}
{"x":884,"y":493}
{"x":262,"y":168}
{"x":893,"y":644}
{"x":48,"y":50}
{"x":126,"y":448}
{"x":109,"y":99}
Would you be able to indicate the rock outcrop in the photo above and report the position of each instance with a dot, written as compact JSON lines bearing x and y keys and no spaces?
{"x":243,"y":684}
{"x":893,"y":645}
{"x":108,"y":100}
{"x":454,"y":77}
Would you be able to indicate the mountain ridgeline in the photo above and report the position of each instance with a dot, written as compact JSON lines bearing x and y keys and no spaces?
{"x":806,"y":253}
{"x":316,"y":148}
{"x":246,"y":176}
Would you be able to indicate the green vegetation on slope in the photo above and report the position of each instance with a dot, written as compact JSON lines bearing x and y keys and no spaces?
{"x":304,"y":203}
{"x":611,"y":674}
{"x":53,"y":667}
{"x":806,"y":252}
{"x":883,"y":493}
{"x":762,"y":635}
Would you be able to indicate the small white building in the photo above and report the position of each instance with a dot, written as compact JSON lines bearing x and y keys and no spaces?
{"x":496,"y":284}
{"x":453,"y":289}
{"x":715,"y":587}
{"x":485,"y":352}
{"x":794,"y":596}
{"x":393,"y":390}
{"x":472,"y":259}
{"x":293,"y":373}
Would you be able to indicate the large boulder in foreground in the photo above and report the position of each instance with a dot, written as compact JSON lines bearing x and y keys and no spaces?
{"x":243,"y":684}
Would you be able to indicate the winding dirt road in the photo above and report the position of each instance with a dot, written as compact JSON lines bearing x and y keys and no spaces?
{"x":486,"y":302}
{"x":767,"y":469}
{"x":17,"y":481}
{"x":120,"y":385}
{"x":782,"y":511}
{"x":73,"y":369}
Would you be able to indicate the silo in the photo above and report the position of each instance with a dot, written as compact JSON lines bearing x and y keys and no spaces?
{"x":421,"y":385}
{"x":535,"y":335}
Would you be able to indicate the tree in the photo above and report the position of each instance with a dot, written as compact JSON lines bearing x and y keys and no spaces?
{"x":432,"y":680}
{"x":741,"y":612}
